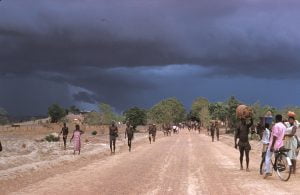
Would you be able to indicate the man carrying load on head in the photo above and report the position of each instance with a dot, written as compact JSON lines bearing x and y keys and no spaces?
{"x":243,"y":112}
{"x":242,"y":133}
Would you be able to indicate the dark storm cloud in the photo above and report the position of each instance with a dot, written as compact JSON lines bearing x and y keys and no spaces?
{"x":238,"y":37}
{"x":83,"y":96}
{"x":118,"y":86}
{"x":31,"y":96}
{"x":120,"y":51}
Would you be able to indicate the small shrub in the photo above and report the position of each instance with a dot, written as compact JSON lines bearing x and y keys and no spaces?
{"x":94,"y":133}
{"x":51,"y":138}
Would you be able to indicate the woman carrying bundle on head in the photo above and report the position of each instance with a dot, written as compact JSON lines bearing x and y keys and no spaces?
{"x":77,"y":139}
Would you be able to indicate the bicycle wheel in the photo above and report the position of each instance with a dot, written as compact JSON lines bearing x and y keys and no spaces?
{"x":283,"y":167}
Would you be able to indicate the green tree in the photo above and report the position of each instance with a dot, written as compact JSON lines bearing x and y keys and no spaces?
{"x":167,"y":111}
{"x":74,"y":110}
{"x":3,"y":117}
{"x":232,"y":104}
{"x":92,"y":118}
{"x":295,"y":109}
{"x":260,"y":111}
{"x":56,"y":113}
{"x":192,"y":116}
{"x":107,"y":114}
{"x":218,"y":111}
{"x":136,"y":116}
{"x":200,"y":109}
{"x":204,"y":116}
{"x":199,"y":104}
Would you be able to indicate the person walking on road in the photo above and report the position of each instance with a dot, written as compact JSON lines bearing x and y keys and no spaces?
{"x":208,"y":129}
{"x":242,"y":133}
{"x":65,"y":132}
{"x":129,"y":134}
{"x":212,"y":131}
{"x":217,"y":130}
{"x":113,"y":134}
{"x":77,"y":139}
{"x":152,"y":132}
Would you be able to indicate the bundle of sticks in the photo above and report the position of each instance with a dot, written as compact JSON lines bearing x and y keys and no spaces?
{"x":244,"y":112}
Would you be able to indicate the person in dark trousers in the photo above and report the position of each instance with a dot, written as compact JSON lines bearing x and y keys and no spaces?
{"x":212,"y":131}
{"x":113,"y":134}
{"x":199,"y":127}
{"x":242,"y":133}
{"x":217,"y":130}
{"x":208,"y":129}
{"x":65,"y":132}
{"x":129,"y":133}
{"x":152,"y":132}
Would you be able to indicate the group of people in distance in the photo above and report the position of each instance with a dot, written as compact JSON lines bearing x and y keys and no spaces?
{"x":281,"y":136}
{"x":129,"y":134}
{"x":113,"y":134}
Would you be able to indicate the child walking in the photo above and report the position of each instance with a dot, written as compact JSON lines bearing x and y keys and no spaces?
{"x":265,"y":141}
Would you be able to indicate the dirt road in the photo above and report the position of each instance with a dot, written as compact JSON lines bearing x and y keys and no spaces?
{"x":187,"y":163}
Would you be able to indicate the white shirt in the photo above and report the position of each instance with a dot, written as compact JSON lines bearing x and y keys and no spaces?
{"x":266,"y":136}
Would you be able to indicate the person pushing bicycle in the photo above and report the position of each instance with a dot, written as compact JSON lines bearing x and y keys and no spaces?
{"x":276,"y":143}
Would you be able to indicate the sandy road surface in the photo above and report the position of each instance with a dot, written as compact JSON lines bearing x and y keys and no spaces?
{"x":187,"y":163}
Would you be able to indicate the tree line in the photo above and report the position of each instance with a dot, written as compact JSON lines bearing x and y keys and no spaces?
{"x":166,"y":111}
{"x":170,"y":111}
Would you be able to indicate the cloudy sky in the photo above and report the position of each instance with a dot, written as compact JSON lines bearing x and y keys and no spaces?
{"x":136,"y":52}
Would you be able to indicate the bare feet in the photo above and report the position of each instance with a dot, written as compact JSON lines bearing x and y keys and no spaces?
{"x":267,"y":175}
{"x":248,"y":170}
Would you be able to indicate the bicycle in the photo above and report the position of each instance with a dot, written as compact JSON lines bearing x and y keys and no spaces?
{"x":282,"y":164}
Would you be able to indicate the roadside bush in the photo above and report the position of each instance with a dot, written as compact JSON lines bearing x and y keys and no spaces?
{"x":94,"y":133}
{"x":52,"y":138}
